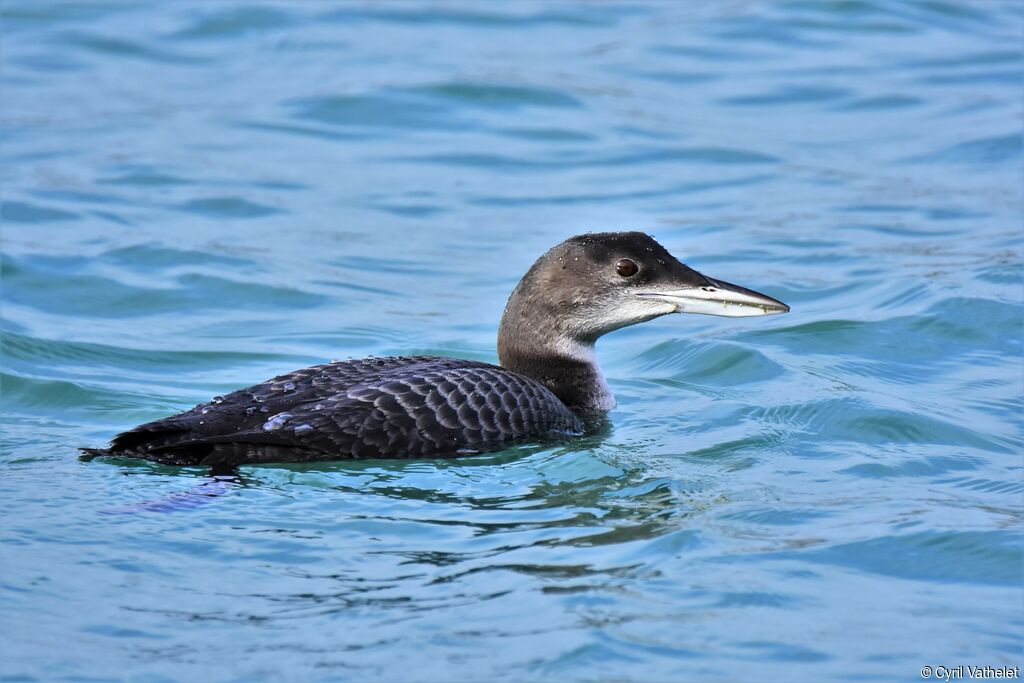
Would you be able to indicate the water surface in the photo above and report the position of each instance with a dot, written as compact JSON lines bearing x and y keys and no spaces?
{"x":200,"y":195}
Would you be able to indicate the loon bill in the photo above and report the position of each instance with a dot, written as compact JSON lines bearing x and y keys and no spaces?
{"x":424,"y":407}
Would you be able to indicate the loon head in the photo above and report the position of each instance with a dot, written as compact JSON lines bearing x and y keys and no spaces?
{"x":592,"y":284}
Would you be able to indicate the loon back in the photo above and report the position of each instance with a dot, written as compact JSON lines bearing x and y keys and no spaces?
{"x":402,"y":407}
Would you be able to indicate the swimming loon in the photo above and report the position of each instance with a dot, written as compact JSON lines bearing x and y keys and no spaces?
{"x":548,"y":382}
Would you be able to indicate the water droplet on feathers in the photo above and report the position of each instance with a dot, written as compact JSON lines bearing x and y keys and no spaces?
{"x":276,"y":422}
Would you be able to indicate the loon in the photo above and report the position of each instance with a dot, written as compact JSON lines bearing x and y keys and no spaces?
{"x":548,"y":382}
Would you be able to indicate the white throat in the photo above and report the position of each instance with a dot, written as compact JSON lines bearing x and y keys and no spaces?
{"x":602,"y":397}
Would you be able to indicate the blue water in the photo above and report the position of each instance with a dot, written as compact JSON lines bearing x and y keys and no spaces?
{"x":200,"y":195}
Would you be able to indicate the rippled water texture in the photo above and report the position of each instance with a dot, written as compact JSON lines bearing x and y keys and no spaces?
{"x":200,"y":195}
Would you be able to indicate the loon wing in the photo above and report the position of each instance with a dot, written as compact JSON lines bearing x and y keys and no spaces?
{"x":374,"y":408}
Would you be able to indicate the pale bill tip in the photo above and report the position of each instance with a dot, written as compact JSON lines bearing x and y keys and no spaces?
{"x":723,"y":300}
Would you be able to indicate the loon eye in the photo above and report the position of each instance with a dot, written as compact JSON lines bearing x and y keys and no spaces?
{"x":626,"y":267}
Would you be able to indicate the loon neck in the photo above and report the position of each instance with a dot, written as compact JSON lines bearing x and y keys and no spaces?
{"x":567,"y":367}
{"x":548,"y":335}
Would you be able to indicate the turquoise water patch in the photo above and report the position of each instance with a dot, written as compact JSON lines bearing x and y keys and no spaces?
{"x":200,"y":196}
{"x":21,"y":212}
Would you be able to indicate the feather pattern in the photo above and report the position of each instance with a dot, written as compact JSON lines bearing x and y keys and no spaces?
{"x":399,"y":407}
